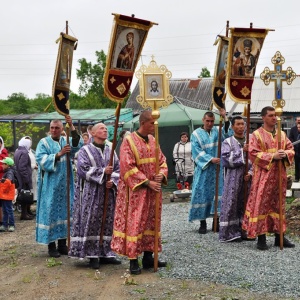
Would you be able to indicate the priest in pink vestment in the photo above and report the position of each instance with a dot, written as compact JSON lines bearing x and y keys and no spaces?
{"x":262,"y":211}
{"x":134,"y":222}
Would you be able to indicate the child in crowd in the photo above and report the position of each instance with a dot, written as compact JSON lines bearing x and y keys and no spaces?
{"x":7,"y":195}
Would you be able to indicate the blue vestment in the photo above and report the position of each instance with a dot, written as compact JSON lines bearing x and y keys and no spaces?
{"x":51,"y":217}
{"x":204,"y":149}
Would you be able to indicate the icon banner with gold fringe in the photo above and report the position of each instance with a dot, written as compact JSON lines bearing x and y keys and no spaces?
{"x":244,"y":48}
{"x":62,"y":77}
{"x":220,"y":72}
{"x":127,"y":40}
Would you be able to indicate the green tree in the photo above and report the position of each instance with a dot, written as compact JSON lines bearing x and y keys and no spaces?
{"x":204,"y":73}
{"x":40,"y":103}
{"x":18,"y":103}
{"x":91,"y":88}
{"x":23,"y":128}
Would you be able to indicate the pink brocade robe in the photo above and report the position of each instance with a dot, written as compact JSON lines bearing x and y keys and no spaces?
{"x":134,"y":223}
{"x":262,"y":211}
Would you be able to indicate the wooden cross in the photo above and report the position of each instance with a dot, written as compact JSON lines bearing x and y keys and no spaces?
{"x":278,"y":76}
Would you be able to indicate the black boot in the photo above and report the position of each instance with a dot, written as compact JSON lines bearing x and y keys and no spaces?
{"x":203,"y":227}
{"x":148,"y":261}
{"x":52,"y":251}
{"x":286,"y":242}
{"x":24,"y":215}
{"x":62,"y":247}
{"x":94,"y":263}
{"x":134,"y":267}
{"x":262,"y":242}
{"x":218,"y":225}
{"x":29,"y":212}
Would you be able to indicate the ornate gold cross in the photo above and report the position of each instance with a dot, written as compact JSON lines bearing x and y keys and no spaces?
{"x":278,"y":76}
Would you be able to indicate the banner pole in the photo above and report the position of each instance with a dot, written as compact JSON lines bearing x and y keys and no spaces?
{"x":108,"y":176}
{"x":247,"y":156}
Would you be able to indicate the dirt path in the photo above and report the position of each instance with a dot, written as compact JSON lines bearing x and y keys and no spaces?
{"x":25,"y":274}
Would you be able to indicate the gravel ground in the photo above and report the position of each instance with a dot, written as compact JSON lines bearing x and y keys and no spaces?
{"x":241,"y":265}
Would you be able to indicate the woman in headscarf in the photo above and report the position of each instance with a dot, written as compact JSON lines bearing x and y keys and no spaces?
{"x":3,"y":154}
{"x":23,"y":166}
{"x":34,"y":169}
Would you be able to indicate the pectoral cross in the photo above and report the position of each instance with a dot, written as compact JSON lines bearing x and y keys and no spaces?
{"x":278,"y":76}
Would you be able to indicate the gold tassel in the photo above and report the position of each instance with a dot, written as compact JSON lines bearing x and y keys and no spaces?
{"x":244,"y":114}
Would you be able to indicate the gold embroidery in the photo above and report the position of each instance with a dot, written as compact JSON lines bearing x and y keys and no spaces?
{"x":130,"y":172}
{"x":134,"y":238}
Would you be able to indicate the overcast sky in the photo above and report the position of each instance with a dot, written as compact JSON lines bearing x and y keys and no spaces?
{"x":183,"y":40}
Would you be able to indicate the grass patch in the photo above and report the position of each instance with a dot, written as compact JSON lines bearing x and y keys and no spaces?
{"x":52,"y":262}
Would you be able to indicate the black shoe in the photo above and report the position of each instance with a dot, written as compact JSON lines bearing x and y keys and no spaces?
{"x":52,"y":251}
{"x":134,"y":267}
{"x":262,"y":242}
{"x":203,"y":227}
{"x":62,"y":247}
{"x":149,"y":263}
{"x":26,"y":217}
{"x":30,"y":213}
{"x":94,"y":263}
{"x":286,"y":242}
{"x":245,"y":237}
{"x":238,"y":240}
{"x":63,"y":250}
{"x":109,"y":260}
{"x":218,"y":225}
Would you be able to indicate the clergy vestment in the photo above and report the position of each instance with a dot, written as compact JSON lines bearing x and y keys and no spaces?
{"x":262,"y":211}
{"x":232,"y":207}
{"x":134,"y":224}
{"x":204,"y":149}
{"x":89,"y":202}
{"x":51,"y":217}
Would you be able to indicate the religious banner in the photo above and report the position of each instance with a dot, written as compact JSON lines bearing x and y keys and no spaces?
{"x":127,"y":40}
{"x":62,"y":77}
{"x":244,"y":48}
{"x":218,"y":89}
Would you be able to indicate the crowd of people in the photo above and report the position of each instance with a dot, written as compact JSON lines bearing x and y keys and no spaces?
{"x":110,"y":209}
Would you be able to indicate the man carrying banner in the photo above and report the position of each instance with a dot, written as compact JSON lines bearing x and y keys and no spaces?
{"x":233,"y":161}
{"x":51,"y":217}
{"x":92,"y":184}
{"x":134,"y":224}
{"x":262,"y":210}
{"x":204,"y":151}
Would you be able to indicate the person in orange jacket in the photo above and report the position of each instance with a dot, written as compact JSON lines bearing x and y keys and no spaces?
{"x":3,"y":154}
{"x":7,"y":195}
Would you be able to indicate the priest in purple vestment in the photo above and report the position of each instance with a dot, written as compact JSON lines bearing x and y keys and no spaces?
{"x":233,"y":160}
{"x":92,"y":184}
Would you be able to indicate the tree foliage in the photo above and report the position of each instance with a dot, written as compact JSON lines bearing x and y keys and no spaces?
{"x":91,"y":88}
{"x":23,"y":128}
{"x":204,"y":73}
{"x":91,"y":92}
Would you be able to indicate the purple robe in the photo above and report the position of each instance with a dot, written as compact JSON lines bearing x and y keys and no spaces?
{"x":88,"y":203}
{"x":232,"y":207}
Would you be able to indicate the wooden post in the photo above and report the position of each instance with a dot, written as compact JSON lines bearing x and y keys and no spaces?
{"x":68,"y":186}
{"x":111,"y":160}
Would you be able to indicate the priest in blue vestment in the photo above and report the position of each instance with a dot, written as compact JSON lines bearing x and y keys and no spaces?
{"x":204,"y":142}
{"x":51,"y":217}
